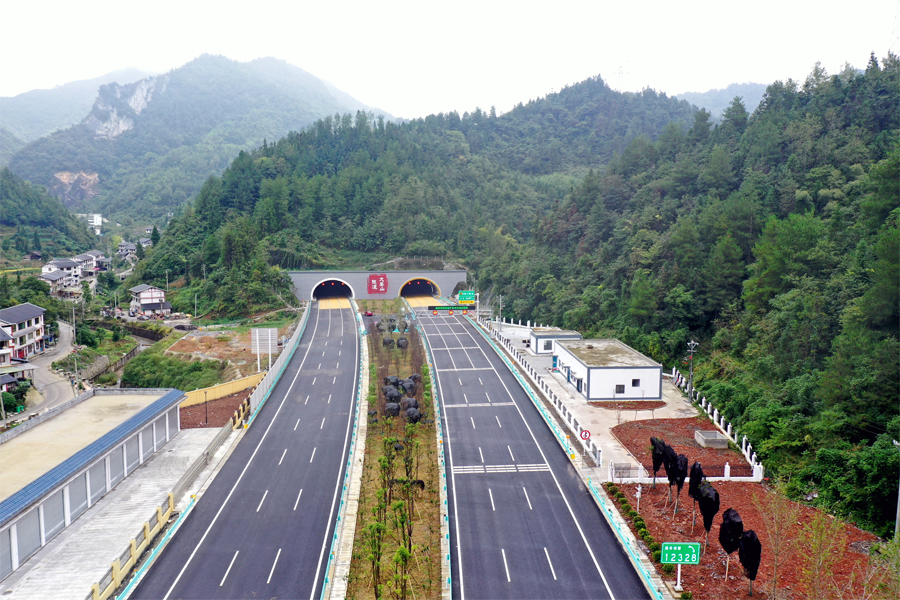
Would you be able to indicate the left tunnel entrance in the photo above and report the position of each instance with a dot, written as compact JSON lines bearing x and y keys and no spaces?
{"x":332,"y":288}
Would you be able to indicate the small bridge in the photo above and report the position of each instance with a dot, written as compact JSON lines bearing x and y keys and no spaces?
{"x":372,"y":285}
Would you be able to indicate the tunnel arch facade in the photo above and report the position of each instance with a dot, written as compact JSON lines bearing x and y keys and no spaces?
{"x":372,"y":285}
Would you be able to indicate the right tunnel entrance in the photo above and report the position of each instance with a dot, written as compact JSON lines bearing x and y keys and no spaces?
{"x":419,"y":287}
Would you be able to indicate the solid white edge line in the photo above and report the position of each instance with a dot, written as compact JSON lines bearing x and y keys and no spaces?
{"x":228,"y":570}
{"x":491,"y":494}
{"x":449,"y":449}
{"x":505,"y":566}
{"x":298,"y":499}
{"x":263,"y":500}
{"x":273,"y":566}
{"x":313,"y":455}
{"x":337,"y":487}
{"x":282,"y":456}
{"x":527,"y":499}
{"x":247,"y":466}
{"x":552,"y":570}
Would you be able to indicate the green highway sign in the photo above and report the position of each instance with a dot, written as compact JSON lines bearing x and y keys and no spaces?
{"x":680,"y":553}
{"x":467,"y":297}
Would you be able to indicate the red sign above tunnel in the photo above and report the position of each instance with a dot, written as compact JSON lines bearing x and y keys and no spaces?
{"x":378,"y":284}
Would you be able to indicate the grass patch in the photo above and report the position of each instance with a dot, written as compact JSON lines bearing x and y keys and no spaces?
{"x":152,"y":369}
{"x":106,"y":347}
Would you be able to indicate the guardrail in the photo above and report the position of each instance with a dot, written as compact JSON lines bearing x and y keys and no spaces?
{"x":628,"y":542}
{"x":261,"y":394}
{"x":341,"y":522}
{"x":446,"y":563}
{"x":123,"y":564}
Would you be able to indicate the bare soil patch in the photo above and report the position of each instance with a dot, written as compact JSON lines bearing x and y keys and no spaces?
{"x":707,"y":580}
{"x":630,"y":405}
{"x":679,"y":433}
{"x":214,"y":413}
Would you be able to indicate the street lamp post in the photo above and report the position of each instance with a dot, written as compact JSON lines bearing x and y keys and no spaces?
{"x":897,"y":521}
{"x":691,"y":346}
{"x":206,"y":404}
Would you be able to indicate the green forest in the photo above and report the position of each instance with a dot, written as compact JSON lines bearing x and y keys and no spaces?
{"x":771,"y":238}
{"x":35,"y":220}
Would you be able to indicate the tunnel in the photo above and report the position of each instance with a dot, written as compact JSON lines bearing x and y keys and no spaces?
{"x":332,"y":288}
{"x":419,"y":287}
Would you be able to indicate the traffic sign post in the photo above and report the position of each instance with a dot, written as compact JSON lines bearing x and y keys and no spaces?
{"x":467,"y":297}
{"x":680,"y":553}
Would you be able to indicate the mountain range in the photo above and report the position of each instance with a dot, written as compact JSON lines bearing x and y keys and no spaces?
{"x":145,"y":147}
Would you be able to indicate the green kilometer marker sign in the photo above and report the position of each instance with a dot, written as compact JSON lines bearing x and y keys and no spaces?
{"x":680,"y":553}
{"x":467,"y":297}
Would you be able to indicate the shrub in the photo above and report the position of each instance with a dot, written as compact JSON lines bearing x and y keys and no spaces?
{"x":612,"y":488}
{"x":648,"y":539}
{"x":668,"y":569}
{"x":641,"y":532}
{"x":632,"y":513}
{"x":638,"y":521}
{"x":626,"y":508}
{"x":687,"y":596}
{"x":655,"y":555}
{"x":655,"y":546}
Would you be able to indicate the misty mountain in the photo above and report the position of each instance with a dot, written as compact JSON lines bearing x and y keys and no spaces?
{"x":36,"y":113}
{"x":716,"y":101}
{"x":146,"y":147}
{"x":9,"y":145}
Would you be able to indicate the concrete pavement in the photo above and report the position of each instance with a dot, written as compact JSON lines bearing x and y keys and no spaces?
{"x":80,"y":555}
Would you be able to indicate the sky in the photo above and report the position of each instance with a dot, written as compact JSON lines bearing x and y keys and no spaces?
{"x":414,"y":58}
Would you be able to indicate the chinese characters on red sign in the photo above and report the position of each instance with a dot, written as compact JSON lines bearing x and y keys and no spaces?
{"x":378,"y":284}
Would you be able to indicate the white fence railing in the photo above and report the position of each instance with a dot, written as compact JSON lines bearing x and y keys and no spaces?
{"x":259,"y":396}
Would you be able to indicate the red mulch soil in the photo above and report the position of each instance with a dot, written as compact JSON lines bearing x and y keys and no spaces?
{"x":630,"y":405}
{"x":707,"y":580}
{"x":679,"y":433}
{"x":220,"y":411}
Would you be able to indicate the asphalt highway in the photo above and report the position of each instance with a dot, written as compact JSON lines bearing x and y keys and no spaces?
{"x":522,"y":523}
{"x":264,"y":526}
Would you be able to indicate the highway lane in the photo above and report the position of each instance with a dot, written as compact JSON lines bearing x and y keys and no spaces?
{"x":523,"y":525}
{"x":264,"y":526}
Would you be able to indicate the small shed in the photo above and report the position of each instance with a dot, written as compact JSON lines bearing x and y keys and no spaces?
{"x":541,"y":339}
{"x":607,"y":369}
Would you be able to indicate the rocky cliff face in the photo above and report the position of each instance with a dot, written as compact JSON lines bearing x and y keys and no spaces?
{"x":117,"y":105}
{"x":74,"y":188}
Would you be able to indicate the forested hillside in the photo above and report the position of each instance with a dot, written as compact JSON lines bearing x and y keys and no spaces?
{"x":717,"y":101}
{"x":37,"y":113}
{"x":770,"y":238}
{"x":153,"y":143}
{"x":32,"y":219}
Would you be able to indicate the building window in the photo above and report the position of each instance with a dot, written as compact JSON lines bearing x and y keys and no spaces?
{"x":635,"y":383}
{"x":620,"y":389}
{"x":548,"y":344}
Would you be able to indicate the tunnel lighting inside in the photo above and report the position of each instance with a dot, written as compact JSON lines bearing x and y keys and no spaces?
{"x":419,"y":287}
{"x":332,"y":288}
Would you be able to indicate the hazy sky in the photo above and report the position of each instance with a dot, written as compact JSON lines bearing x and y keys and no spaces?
{"x":413,"y":58}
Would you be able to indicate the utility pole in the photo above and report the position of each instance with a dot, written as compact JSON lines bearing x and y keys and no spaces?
{"x":501,"y":313}
{"x":167,"y":280}
{"x":195,"y":306}
{"x":691,"y":346}
{"x":204,"y":272}
{"x":206,"y":404}
{"x":897,"y":521}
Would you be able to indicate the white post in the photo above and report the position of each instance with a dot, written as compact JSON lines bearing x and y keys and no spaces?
{"x":678,"y":587}
{"x":727,"y":471}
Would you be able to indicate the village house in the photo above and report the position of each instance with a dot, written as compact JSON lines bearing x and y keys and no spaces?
{"x":56,"y":280}
{"x":70,"y":267}
{"x":24,"y":325}
{"x":149,"y":299}
{"x":145,"y":242}
{"x":126,"y":250}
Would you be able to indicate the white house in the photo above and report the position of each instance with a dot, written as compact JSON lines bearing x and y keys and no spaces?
{"x":126,"y":249}
{"x":149,"y":300}
{"x":24,"y":324}
{"x":56,"y":280}
{"x":607,"y":369}
{"x":541,"y":339}
{"x":145,"y":242}
{"x":72,"y":269}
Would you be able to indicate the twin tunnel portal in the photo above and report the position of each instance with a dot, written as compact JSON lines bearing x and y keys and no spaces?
{"x":370,"y":285}
{"x":335,"y":288}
